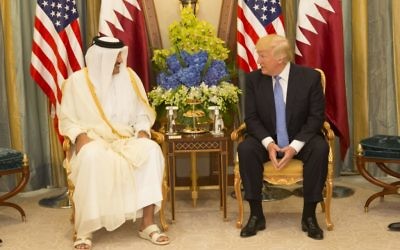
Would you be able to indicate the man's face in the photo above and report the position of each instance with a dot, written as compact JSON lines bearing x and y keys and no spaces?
{"x":117,"y":64}
{"x":268,"y":63}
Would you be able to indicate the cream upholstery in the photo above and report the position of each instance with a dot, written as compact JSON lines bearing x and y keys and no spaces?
{"x":291,"y":174}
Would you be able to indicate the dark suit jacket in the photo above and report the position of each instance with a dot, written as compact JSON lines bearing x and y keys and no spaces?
{"x":305,"y":104}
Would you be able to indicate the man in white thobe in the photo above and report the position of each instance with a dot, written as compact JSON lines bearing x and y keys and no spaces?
{"x":116,"y":169}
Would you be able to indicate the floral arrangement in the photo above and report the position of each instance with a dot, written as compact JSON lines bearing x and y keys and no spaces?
{"x":224,"y":95}
{"x":193,"y":68}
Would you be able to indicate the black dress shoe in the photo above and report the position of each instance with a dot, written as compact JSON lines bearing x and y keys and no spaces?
{"x":310,"y":225}
{"x":394,"y":226}
{"x":253,"y":225}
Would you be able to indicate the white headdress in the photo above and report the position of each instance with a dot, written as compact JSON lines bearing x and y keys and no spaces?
{"x":100,"y":60}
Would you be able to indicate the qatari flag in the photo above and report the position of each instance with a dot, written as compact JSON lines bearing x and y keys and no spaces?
{"x":124,"y":20}
{"x":319,"y":44}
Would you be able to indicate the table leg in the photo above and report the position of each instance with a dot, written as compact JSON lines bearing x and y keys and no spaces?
{"x":224,"y":178}
{"x":171,"y":165}
{"x":388,"y":188}
{"x":194,"y":187}
{"x":220,"y":182}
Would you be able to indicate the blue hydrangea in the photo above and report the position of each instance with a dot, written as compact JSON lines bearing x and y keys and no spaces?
{"x":185,"y":57}
{"x":198,"y":60}
{"x":173,"y":63}
{"x":168,"y":81}
{"x":216,"y":73}
{"x":188,"y":69}
{"x":189,"y":76}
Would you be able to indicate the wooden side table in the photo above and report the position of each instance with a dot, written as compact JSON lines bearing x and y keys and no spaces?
{"x":192,"y":144}
{"x":387,"y":188}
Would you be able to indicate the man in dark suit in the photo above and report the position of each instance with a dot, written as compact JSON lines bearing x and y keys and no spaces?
{"x":304,"y":105}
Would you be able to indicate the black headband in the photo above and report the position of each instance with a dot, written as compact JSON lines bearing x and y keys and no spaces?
{"x":107,"y":44}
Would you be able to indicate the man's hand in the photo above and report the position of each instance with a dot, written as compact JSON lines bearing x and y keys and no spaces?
{"x":143,"y":134}
{"x":80,"y":141}
{"x":273,"y":150}
{"x":288,"y":153}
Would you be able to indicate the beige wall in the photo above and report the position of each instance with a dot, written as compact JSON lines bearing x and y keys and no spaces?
{"x":168,"y":11}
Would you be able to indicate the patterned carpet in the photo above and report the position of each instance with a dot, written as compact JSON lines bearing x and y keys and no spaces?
{"x":203,"y":228}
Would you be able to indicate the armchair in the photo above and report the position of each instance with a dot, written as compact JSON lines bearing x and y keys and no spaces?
{"x":289,"y":175}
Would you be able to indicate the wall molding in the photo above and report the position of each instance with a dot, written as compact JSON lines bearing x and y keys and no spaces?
{"x":153,"y":30}
{"x":227,"y":26}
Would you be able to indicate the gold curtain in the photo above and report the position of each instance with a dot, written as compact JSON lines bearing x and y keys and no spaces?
{"x":92,"y":21}
{"x":11,"y":86}
{"x":396,"y":56}
{"x":360,"y":70}
{"x":289,"y":9}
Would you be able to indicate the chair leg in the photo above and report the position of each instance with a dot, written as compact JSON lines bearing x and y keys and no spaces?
{"x":164,"y":188}
{"x":239,"y":198}
{"x":323,"y":206}
{"x":328,"y":200}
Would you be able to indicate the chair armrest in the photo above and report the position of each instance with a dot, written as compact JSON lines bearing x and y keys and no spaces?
{"x":157,"y":137}
{"x":328,"y":132}
{"x":330,"y":138}
{"x":66,"y":143}
{"x":238,"y":134}
{"x":67,"y":147}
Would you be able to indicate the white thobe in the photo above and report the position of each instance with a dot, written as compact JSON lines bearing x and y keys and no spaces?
{"x":116,"y":174}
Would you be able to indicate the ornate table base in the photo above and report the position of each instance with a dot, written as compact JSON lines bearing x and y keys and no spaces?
{"x":192,"y":144}
{"x":387,"y":188}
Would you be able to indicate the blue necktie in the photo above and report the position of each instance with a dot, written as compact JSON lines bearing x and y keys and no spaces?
{"x":281,"y":130}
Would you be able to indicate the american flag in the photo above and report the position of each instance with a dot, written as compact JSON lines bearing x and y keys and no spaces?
{"x":124,"y":20}
{"x":56,"y":46}
{"x":255,"y":19}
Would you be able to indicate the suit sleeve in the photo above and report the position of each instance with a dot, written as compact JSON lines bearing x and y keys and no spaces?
{"x":315,"y":113}
{"x":254,"y":124}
